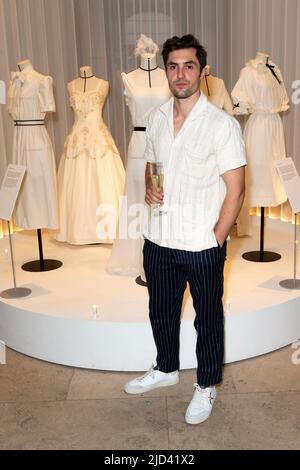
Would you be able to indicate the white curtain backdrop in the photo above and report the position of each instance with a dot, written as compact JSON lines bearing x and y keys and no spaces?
{"x":59,"y":36}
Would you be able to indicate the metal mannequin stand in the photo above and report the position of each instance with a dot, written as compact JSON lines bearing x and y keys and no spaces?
{"x":15,"y":292}
{"x":293,"y":283}
{"x":140,"y":281}
{"x":41,"y":264}
{"x":261,"y":256}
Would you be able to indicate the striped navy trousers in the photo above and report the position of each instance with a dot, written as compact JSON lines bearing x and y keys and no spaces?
{"x":167,"y":273}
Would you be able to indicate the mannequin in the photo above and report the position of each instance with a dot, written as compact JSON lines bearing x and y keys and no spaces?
{"x":86,"y":71}
{"x":86,"y":81}
{"x":30,"y":97}
{"x":261,"y":57}
{"x":25,"y":65}
{"x":147,"y":75}
{"x":263,"y":132}
{"x":261,"y":93}
{"x":91,"y":172}
{"x":148,"y":62}
{"x":145,"y":88}
{"x":215,"y":90}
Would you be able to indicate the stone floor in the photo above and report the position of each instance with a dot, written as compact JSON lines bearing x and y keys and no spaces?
{"x":48,"y":406}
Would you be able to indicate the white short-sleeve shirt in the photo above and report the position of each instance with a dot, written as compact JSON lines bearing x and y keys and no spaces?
{"x":208,"y":144}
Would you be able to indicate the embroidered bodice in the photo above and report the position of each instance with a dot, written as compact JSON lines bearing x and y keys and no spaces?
{"x":89,"y":134}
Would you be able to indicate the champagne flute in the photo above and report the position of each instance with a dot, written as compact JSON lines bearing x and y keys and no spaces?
{"x":157,"y":178}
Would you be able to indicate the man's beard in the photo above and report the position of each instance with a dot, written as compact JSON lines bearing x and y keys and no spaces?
{"x":182,"y":94}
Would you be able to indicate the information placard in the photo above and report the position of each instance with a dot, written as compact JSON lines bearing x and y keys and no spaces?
{"x":291,"y":182}
{"x":10,"y":189}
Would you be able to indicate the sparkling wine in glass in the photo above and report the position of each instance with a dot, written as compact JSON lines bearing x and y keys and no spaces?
{"x":157,"y":177}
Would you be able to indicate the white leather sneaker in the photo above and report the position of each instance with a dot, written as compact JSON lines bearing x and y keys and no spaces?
{"x":151,"y":380}
{"x":201,"y":405}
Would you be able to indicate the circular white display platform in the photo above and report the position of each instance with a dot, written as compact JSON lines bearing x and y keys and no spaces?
{"x":81,"y":316}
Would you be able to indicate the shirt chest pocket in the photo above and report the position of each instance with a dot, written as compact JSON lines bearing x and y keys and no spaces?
{"x":198,"y":178}
{"x":200,"y":169}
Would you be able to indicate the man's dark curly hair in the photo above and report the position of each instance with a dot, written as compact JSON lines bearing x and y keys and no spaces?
{"x":186,"y":42}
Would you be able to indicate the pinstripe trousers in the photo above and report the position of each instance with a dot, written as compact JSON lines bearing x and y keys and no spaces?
{"x":167,"y":273}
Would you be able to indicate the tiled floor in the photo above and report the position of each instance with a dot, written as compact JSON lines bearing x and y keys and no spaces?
{"x":47,"y":406}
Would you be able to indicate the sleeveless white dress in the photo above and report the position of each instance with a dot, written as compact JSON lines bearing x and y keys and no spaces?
{"x":126,"y":255}
{"x":30,"y":97}
{"x":91,"y":173}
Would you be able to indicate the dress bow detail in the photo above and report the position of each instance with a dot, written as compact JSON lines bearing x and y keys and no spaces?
{"x":271,"y":68}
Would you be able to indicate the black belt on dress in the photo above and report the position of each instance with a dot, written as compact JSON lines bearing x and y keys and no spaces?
{"x":29,"y":122}
{"x":142,"y":129}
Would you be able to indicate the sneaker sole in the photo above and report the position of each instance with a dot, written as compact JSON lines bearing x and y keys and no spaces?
{"x":190,"y":420}
{"x":150,"y":387}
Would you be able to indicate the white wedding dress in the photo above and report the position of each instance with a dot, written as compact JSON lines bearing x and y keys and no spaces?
{"x":91,"y":173}
{"x":126,"y":256}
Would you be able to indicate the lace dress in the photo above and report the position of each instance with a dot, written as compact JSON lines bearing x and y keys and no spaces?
{"x":91,"y":173}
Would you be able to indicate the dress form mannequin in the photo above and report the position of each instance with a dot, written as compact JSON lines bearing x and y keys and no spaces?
{"x":25,"y":65}
{"x":30,"y":97}
{"x":15,"y":292}
{"x":215,"y":90}
{"x":86,"y":71}
{"x":148,"y":61}
{"x":86,"y":81}
{"x":244,"y":222}
{"x":91,"y":172}
{"x":262,"y":57}
{"x":148,"y":74}
{"x":260,"y":92}
{"x":145,"y":88}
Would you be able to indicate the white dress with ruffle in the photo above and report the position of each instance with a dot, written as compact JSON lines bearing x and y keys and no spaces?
{"x":259,"y":93}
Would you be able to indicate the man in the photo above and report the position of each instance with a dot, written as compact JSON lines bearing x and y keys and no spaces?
{"x":202,"y":152}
